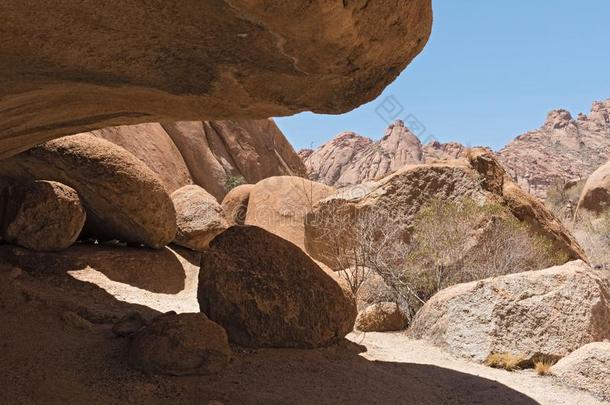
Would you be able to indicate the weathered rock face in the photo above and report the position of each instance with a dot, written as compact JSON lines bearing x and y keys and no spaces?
{"x":235,"y":204}
{"x":199,"y":217}
{"x":184,"y":344}
{"x":405,"y":192}
{"x":595,"y":195}
{"x":587,"y":368}
{"x":41,"y":215}
{"x":563,"y":149}
{"x":194,"y":60}
{"x":217,"y":151}
{"x":381,"y":317}
{"x":123,"y":198}
{"x":351,"y":159}
{"x":280,"y":204}
{"x":152,"y":145}
{"x":550,"y":312}
{"x":266,"y":292}
{"x":437,"y":151}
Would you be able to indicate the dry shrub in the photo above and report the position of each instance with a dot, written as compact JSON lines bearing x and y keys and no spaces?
{"x":543,"y":367}
{"x":506,"y":361}
{"x":446,"y":243}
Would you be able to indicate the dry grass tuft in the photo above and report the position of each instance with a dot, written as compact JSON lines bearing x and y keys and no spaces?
{"x":507,"y":361}
{"x":543,"y":367}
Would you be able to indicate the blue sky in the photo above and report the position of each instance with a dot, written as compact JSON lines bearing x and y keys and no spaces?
{"x":491,"y":71}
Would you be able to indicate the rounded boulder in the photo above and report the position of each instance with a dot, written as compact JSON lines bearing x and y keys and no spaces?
{"x":124,"y":199}
{"x":41,"y":215}
{"x":199,"y":217}
{"x":266,"y":292}
{"x":381,"y":317}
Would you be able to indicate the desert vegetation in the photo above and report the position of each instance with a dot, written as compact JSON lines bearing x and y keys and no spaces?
{"x":449,"y":242}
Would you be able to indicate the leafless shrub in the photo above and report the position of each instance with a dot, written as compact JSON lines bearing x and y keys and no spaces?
{"x":447,"y":243}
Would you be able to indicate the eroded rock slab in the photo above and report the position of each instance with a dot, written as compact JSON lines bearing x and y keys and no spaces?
{"x":193,"y":60}
{"x":549,"y":312}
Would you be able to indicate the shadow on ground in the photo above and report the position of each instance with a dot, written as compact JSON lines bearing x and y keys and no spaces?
{"x":48,"y":360}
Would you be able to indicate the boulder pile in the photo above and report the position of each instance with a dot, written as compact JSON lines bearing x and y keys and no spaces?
{"x":123,"y":198}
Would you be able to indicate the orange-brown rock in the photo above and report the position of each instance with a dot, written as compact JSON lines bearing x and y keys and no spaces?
{"x":180,"y":344}
{"x":266,"y":292}
{"x":123,"y":198}
{"x":152,"y":145}
{"x":235,"y":204}
{"x":404,"y":193}
{"x":199,"y":217}
{"x":218,"y":152}
{"x":279,"y":205}
{"x":41,"y":215}
{"x":193,"y":60}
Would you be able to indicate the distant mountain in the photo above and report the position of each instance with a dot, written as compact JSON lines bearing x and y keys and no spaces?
{"x":564,"y":149}
{"x":350,"y":158}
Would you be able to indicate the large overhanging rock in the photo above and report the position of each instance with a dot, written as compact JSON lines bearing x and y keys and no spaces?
{"x":88,"y":65}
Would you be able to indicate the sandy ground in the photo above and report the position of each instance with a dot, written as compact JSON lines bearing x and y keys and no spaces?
{"x":56,"y":348}
{"x":397,"y":347}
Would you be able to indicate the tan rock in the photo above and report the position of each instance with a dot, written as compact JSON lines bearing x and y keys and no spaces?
{"x":199,"y":217}
{"x":381,"y":317}
{"x":266,"y":292}
{"x":595,"y":195}
{"x":404,"y":193}
{"x":41,"y":215}
{"x":184,"y":344}
{"x":280,"y":204}
{"x":587,"y":368}
{"x":123,"y":198}
{"x":216,"y":152}
{"x":235,"y":204}
{"x":200,"y":60}
{"x":549,"y":312}
{"x":152,"y":145}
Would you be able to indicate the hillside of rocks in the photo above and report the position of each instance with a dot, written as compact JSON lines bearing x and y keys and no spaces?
{"x":350,"y":158}
{"x":564,"y":149}
{"x":215,"y":155}
{"x":188,"y":61}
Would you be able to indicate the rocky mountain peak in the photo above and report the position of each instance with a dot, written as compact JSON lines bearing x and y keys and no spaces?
{"x":350,"y":158}
{"x":558,"y":119}
{"x":600,"y":113}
